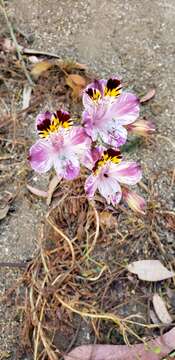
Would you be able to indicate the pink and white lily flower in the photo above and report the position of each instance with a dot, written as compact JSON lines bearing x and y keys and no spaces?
{"x":108,"y":172}
{"x":108,"y":110}
{"x":61,"y":145}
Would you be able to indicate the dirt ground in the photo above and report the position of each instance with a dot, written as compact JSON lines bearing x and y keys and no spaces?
{"x":135,"y":39}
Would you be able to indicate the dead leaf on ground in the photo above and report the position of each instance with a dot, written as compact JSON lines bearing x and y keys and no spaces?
{"x":36,"y":191}
{"x":71,"y":65}
{"x":154,"y":317}
{"x":4,"y":212}
{"x":52,"y":187}
{"x":150,"y":94}
{"x":161,"y":310}
{"x":107,"y":219}
{"x":77,"y":83}
{"x":40,"y":67}
{"x":27,"y":91}
{"x":155,"y":350}
{"x":150,"y":270}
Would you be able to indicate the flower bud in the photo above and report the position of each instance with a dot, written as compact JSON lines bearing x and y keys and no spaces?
{"x":142,"y":127}
{"x":134,"y":201}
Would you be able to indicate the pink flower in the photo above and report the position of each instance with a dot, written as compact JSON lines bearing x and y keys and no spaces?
{"x":108,"y":110}
{"x":107,"y":174}
{"x":134,"y":201}
{"x":62,"y":145}
{"x":142,"y":127}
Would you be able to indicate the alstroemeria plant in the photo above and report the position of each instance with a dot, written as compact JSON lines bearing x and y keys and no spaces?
{"x":109,"y":112}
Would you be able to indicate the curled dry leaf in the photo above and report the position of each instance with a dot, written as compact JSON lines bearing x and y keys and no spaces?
{"x":150,"y":94}
{"x":36,"y":191}
{"x":161,"y":310}
{"x":39,"y":68}
{"x":77,"y":83}
{"x":154,"y":350}
{"x":27,"y":90}
{"x":52,"y":186}
{"x":4,"y":212}
{"x":150,"y":270}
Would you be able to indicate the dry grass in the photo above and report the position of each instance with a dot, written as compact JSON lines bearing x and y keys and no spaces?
{"x":80,"y":270}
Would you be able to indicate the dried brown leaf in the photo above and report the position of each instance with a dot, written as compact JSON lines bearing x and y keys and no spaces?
{"x":52,"y":186}
{"x":154,"y":350}
{"x":4,"y":212}
{"x":80,"y":66}
{"x":39,"y":68}
{"x":150,"y":94}
{"x":154,"y":317}
{"x":36,"y":191}
{"x":107,"y":219}
{"x":150,"y":270}
{"x":77,"y":80}
{"x":161,"y":310}
{"x":77,"y":83}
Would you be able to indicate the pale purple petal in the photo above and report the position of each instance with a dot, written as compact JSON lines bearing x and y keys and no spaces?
{"x":72,"y":170}
{"x":109,"y":188}
{"x":40,"y":156}
{"x":125,"y":109}
{"x":114,"y":137}
{"x":78,"y":136}
{"x":67,"y":168}
{"x":87,"y":122}
{"x":115,"y":199}
{"x":91,"y":186}
{"x":126,"y":172}
{"x":58,"y":166}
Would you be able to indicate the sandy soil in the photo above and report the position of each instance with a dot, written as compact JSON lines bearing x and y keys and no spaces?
{"x":132,"y":38}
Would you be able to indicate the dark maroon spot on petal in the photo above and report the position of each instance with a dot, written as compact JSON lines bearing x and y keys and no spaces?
{"x":62,"y":116}
{"x":106,"y":175}
{"x":113,"y":84}
{"x":111,"y":153}
{"x":89,"y":92}
{"x":29,"y":158}
{"x":95,"y":166}
{"x":44,"y":125}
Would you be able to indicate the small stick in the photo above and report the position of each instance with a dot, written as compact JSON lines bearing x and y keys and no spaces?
{"x":16,"y":44}
{"x":27,"y":51}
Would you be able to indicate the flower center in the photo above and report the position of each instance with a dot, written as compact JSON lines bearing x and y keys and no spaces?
{"x":113,"y":88}
{"x":94,"y":94}
{"x":58,"y":120}
{"x":108,"y":155}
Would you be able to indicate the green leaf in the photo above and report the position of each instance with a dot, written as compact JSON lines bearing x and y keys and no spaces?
{"x":131,"y":145}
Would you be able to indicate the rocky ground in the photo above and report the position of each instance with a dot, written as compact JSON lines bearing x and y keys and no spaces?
{"x":135,"y":39}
